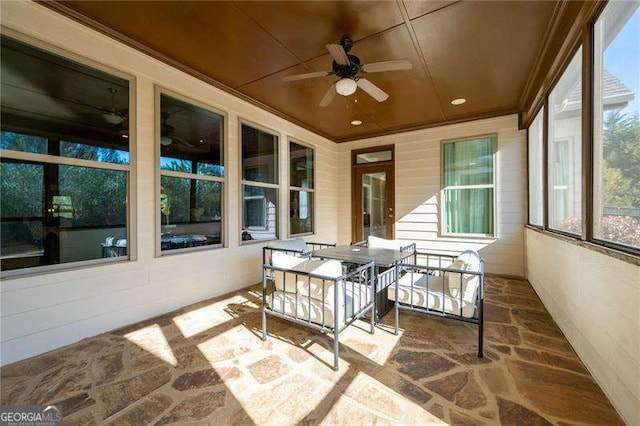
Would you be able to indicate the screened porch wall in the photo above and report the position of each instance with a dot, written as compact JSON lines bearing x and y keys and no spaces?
{"x":418,"y":183}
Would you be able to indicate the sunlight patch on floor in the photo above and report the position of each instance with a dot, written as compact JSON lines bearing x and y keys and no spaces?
{"x":205,"y":318}
{"x":153,"y":340}
{"x":230,"y":344}
{"x":374,"y":398}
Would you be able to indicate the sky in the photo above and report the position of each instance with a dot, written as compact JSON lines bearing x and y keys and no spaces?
{"x":622,"y":59}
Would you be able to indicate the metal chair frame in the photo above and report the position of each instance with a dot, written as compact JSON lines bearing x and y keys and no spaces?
{"x":361,"y":275}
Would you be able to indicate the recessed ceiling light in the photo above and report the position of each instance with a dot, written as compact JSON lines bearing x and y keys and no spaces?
{"x":356,"y":122}
{"x":458,"y":101}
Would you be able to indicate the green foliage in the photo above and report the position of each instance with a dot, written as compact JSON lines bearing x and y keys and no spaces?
{"x":621,"y":168}
{"x":97,"y":196}
{"x":175,"y":198}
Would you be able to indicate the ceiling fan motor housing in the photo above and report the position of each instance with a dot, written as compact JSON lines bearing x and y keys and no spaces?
{"x":347,"y":71}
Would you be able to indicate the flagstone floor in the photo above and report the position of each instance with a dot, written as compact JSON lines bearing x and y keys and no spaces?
{"x":206,"y":364}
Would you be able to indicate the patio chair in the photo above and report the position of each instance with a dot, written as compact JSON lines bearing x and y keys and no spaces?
{"x":317,"y":294}
{"x":445,"y":286}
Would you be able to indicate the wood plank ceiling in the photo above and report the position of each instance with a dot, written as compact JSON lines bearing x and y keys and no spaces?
{"x":479,"y":50}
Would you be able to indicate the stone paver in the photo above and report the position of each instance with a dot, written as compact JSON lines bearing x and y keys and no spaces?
{"x":206,"y":364}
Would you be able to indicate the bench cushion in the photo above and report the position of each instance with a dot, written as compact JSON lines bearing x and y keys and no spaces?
{"x":376,"y":242}
{"x":285,"y":261}
{"x":436,"y":298}
{"x":294,"y":244}
{"x":358,"y":297}
{"x":467,"y":283}
{"x":297,"y":278}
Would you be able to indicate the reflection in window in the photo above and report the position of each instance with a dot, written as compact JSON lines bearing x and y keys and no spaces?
{"x":25,"y":143}
{"x":301,"y":212}
{"x":565,"y":150}
{"x":301,"y":189}
{"x":536,"y":189}
{"x":191,"y":144}
{"x":259,"y":155}
{"x":89,"y":152}
{"x":55,"y":211}
{"x":191,"y":212}
{"x":616,"y":204}
{"x":260,"y":179}
{"x":190,"y":138}
{"x":259,"y":213}
{"x":469,"y":186}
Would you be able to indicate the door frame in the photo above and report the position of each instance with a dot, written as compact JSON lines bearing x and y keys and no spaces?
{"x":387,"y":166}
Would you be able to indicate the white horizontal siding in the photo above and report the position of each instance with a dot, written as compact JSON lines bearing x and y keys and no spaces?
{"x":417,"y":180}
{"x":595,"y":299}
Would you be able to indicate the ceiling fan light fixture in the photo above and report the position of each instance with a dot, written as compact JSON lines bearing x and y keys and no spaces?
{"x":165,"y":141}
{"x":346,"y":86}
{"x":458,"y":101}
{"x":112,"y":118}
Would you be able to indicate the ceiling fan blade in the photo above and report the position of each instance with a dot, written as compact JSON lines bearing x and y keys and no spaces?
{"x":397,"y":65}
{"x":186,"y":142}
{"x":306,"y":76}
{"x":377,"y":93}
{"x":338,"y":53}
{"x":328,"y":97}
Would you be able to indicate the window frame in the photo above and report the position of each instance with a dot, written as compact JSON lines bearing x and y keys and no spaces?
{"x":243,"y":182}
{"x":585,"y":39}
{"x":442,"y":198}
{"x":584,"y":149}
{"x":591,"y":176}
{"x":300,"y":189}
{"x":130,"y":169}
{"x":158,"y":92}
{"x":542,"y":109}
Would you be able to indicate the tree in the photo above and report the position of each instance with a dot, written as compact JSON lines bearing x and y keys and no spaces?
{"x":621,"y":153}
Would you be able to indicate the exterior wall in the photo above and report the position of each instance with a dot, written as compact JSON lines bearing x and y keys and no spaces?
{"x":595,"y":299}
{"x":42,"y":312}
{"x":417,"y":189}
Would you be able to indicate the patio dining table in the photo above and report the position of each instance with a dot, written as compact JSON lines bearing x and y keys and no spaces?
{"x":383,"y":259}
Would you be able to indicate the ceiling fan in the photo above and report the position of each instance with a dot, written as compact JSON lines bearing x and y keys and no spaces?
{"x":168,"y":136}
{"x":110,"y":114}
{"x":347,"y":68}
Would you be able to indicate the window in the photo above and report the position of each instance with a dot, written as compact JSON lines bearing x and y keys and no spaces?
{"x":192,"y":175}
{"x":565,"y":150}
{"x":536,"y":190}
{"x":374,"y":157}
{"x":259,"y":184}
{"x":468,"y":194}
{"x":616,"y":154}
{"x":64,"y":145}
{"x":301,"y":189}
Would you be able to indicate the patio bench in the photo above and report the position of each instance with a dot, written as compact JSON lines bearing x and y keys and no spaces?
{"x":316,"y":294}
{"x":442,"y":285}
